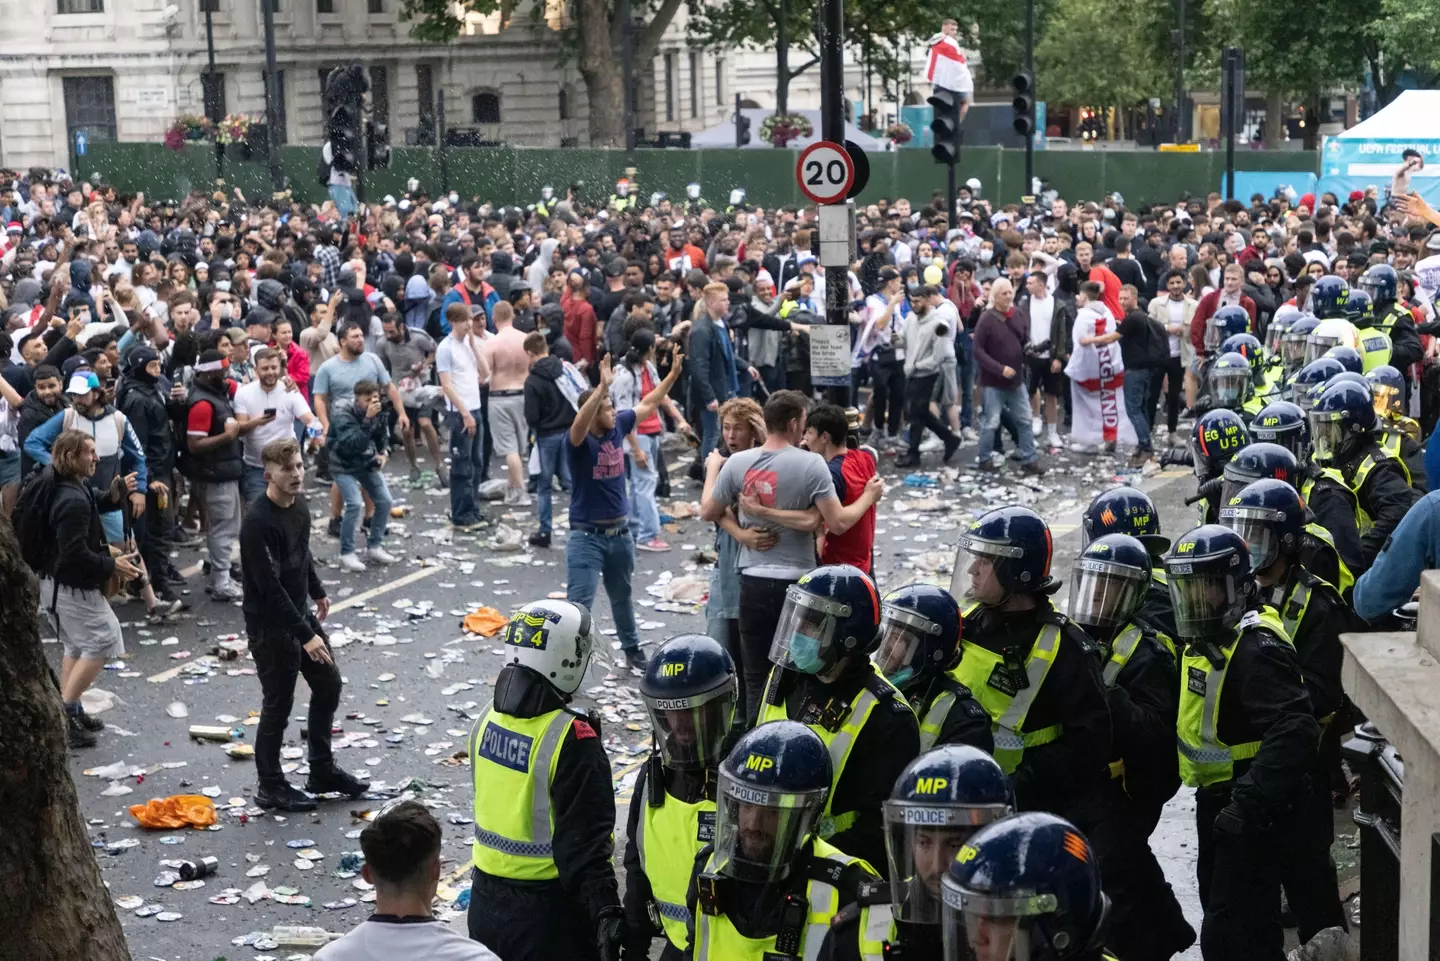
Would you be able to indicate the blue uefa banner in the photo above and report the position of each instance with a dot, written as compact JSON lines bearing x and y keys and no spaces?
{"x":1348,"y":164}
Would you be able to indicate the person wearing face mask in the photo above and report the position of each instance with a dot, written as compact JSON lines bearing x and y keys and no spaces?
{"x":940,"y":800}
{"x":150,"y":413}
{"x":1033,"y":670}
{"x":823,"y":677}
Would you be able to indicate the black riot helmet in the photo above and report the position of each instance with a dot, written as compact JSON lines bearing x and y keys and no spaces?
{"x":689,"y":689}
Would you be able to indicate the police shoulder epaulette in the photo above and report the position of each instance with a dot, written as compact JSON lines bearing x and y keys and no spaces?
{"x":881,"y":688}
{"x":1083,"y":640}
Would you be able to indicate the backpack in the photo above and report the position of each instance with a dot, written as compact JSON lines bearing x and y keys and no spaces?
{"x":32,"y":519}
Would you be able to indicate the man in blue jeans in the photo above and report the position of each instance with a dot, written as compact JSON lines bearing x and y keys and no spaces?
{"x":463,"y":369}
{"x":359,"y":443}
{"x":600,"y":543}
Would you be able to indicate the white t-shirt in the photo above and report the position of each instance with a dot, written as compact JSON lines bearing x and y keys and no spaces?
{"x":252,"y":400}
{"x":1042,"y":312}
{"x":1177,"y":316}
{"x":385,"y":941}
{"x":457,"y":359}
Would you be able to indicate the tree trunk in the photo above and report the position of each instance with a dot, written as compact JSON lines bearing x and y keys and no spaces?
{"x":603,"y":75}
{"x":782,"y":60}
{"x":55,"y":902}
{"x":1312,"y":121}
{"x":1274,"y":118}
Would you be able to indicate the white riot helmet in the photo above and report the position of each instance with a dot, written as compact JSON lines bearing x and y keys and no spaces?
{"x":973,"y":185}
{"x":737,"y":196}
{"x":547,"y":192}
{"x":1331,"y":332}
{"x":553,"y":639}
{"x":692,"y":191}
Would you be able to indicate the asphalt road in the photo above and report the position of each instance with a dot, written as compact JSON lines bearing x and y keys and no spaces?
{"x":413,"y":681}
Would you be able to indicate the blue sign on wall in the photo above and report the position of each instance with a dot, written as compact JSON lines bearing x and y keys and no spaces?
{"x":82,"y":143}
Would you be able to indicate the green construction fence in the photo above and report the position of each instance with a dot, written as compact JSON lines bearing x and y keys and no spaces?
{"x":508,"y":175}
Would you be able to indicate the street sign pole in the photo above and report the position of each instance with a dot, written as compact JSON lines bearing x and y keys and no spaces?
{"x":832,"y":128}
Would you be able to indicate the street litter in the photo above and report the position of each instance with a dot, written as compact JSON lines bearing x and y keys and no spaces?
{"x":485,"y":621}
{"x":177,"y":811}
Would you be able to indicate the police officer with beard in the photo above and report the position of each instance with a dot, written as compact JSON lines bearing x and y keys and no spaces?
{"x":689,"y":689}
{"x":941,"y":799}
{"x":823,"y":678}
{"x":1033,"y":670}
{"x":1246,"y":738}
{"x":1107,"y":589}
{"x":544,"y":887}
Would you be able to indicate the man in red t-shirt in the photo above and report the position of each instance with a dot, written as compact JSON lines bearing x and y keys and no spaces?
{"x":856,"y":484}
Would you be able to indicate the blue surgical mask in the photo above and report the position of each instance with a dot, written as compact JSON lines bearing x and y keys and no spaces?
{"x":805,"y":653}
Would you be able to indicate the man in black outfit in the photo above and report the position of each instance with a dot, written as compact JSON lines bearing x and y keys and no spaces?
{"x":286,"y":640}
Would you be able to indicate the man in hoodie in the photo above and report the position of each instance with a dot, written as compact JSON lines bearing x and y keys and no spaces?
{"x":149,"y":412}
{"x":359,"y":443}
{"x":42,"y":403}
{"x":924,"y":352}
{"x":549,"y":413}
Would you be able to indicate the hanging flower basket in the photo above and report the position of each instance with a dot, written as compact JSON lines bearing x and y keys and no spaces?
{"x":196,"y":127}
{"x":234,"y":129}
{"x":175,"y":137}
{"x":779,"y":129}
{"x":899,"y":133}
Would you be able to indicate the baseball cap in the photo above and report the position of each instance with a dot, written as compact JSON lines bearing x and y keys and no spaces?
{"x":82,"y":382}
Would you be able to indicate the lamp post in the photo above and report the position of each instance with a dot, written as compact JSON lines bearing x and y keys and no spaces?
{"x":272,"y":102}
{"x":212,"y":102}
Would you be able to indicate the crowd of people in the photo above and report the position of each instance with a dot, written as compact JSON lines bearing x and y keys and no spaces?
{"x":175,"y":369}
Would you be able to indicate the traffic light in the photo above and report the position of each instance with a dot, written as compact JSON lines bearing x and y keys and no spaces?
{"x":1023,"y":86}
{"x":377,"y":145}
{"x":344,"y":102}
{"x":945,"y":127}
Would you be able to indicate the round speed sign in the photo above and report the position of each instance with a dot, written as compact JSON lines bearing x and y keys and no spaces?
{"x":825,"y":172}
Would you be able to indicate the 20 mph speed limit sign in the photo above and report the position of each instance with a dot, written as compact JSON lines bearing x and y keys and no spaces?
{"x":825,"y":172}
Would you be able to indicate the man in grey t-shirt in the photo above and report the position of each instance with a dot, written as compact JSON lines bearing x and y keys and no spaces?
{"x":779,"y":475}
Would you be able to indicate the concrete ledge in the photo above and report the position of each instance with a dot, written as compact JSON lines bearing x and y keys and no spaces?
{"x":1396,"y":683}
{"x":1428,"y":626}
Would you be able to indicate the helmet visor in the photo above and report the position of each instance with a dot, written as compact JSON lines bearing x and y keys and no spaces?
{"x":1105,"y":595}
{"x":758,"y":830}
{"x":1327,"y":433}
{"x":1292,"y":351}
{"x":1205,"y":604}
{"x":690,"y":730}
{"x":1288,"y":437}
{"x":1254,"y":524}
{"x":1315,"y":347}
{"x":1214,"y":334}
{"x":902,"y":652}
{"x":922,"y":841}
{"x":1304,"y":396}
{"x":983,"y":927}
{"x":1234,"y":483}
{"x":1228,"y":386}
{"x":1387,"y":399}
{"x":805,"y":637}
{"x":980,"y":568}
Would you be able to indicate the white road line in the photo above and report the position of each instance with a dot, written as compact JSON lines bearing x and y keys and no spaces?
{"x":357,"y":599}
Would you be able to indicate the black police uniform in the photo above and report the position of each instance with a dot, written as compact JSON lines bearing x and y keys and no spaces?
{"x":555,"y":918}
{"x":965,"y":723}
{"x":1315,"y":614}
{"x":1385,"y":495}
{"x":1157,"y":611}
{"x":1070,"y":775}
{"x":1239,"y":864}
{"x":1335,"y":509}
{"x":889,"y":740}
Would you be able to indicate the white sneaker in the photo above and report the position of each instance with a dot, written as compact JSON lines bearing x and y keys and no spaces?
{"x":1079,"y":448}
{"x":381,"y":556}
{"x":1052,"y":439}
{"x":931,"y":444}
{"x":516,"y":497}
{"x":352,"y":562}
{"x":1036,"y":424}
{"x":969,"y":435}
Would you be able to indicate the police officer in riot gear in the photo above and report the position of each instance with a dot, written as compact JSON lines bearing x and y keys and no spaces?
{"x":1400,"y":438}
{"x":1129,"y":510}
{"x":1025,"y":888}
{"x":769,"y":887}
{"x":823,"y":678}
{"x":1306,"y":384}
{"x":1328,"y":297}
{"x":940,"y":800}
{"x":1033,"y":670}
{"x":1229,"y":385}
{"x":1392,"y":318}
{"x":1246,"y":736}
{"x":1107,"y":587}
{"x":1282,"y":422}
{"x":1343,"y":437}
{"x":1348,"y":357}
{"x":919,"y":644}
{"x":1215,"y":438}
{"x":689,"y":689}
{"x":544,"y":886}
{"x":1293,"y":342}
{"x":1270,"y":516}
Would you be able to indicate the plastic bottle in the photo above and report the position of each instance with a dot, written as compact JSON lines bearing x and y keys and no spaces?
{"x":299,"y":936}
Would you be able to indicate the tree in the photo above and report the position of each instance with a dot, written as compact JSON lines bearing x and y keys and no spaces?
{"x":594,"y":37}
{"x":55,"y":903}
{"x":1401,"y":35}
{"x":1082,"y":58}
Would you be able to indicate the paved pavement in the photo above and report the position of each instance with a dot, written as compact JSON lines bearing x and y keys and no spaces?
{"x":414,"y":680}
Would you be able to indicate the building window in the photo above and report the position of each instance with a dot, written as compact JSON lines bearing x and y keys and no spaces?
{"x":89,"y":109}
{"x":81,"y":6}
{"x":719,"y":81}
{"x":380,"y":94}
{"x":670,"y":86}
{"x":564,"y":103}
{"x":425,"y":94}
{"x":279,"y":132}
{"x":274,"y":5}
{"x":485,"y":108}
{"x":377,"y":6}
{"x":213,"y":85}
{"x":324,"y":6}
{"x":694,"y":84}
